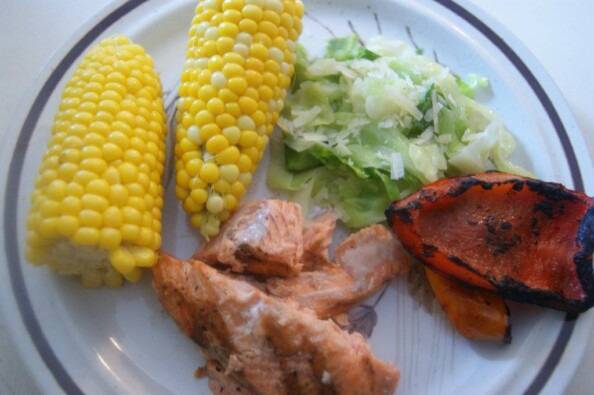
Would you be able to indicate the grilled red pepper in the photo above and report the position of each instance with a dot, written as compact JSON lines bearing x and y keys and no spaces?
{"x":529,"y":240}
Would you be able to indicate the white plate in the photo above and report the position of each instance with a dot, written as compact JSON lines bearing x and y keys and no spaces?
{"x":121,"y":341}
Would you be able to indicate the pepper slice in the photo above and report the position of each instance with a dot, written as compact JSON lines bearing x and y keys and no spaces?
{"x":529,"y":240}
{"x":475,"y":313}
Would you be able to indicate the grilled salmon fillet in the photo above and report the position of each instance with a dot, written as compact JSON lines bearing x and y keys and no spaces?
{"x":264,"y":237}
{"x":365,"y":260}
{"x":264,"y":344}
{"x":372,"y":256}
{"x":317,"y":237}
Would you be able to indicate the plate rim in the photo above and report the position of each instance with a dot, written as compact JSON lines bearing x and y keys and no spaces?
{"x":114,"y":11}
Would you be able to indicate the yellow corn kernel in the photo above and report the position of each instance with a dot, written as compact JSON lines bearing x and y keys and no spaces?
{"x":227,"y":95}
{"x":128,"y":172}
{"x":231,"y":70}
{"x":248,"y":26}
{"x":203,"y":118}
{"x":67,"y":225}
{"x":181,"y":193}
{"x":122,"y":260}
{"x":217,"y":144}
{"x":245,"y":179}
{"x":245,"y":122}
{"x":225,"y":120}
{"x":199,"y":196}
{"x":90,"y":218}
{"x":248,"y":105}
{"x":252,"y":12}
{"x":215,"y":204}
{"x":233,"y":109}
{"x":118,"y":194}
{"x":232,"y":4}
{"x":253,"y":78}
{"x":196,"y":220}
{"x":222,"y":186}
{"x":237,"y":85}
{"x":237,"y":189}
{"x":145,"y":257}
{"x":98,"y":187}
{"x":225,"y":44}
{"x":229,"y":172}
{"x":209,"y":173}
{"x":230,"y":202}
{"x":232,"y":16}
{"x":244,"y":163}
{"x":110,"y":238}
{"x":86,"y":236}
{"x":248,"y":138}
{"x":207,"y":92}
{"x":228,"y":155}
{"x":191,"y":206}
{"x":112,"y":152}
{"x":232,"y":57}
{"x":215,"y":106}
{"x":259,"y":51}
{"x":232,"y":134}
{"x":193,"y":167}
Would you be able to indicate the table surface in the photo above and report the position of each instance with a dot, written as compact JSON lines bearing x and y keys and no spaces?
{"x":558,"y":32}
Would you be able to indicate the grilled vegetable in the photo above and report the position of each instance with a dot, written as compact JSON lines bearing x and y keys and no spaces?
{"x":96,"y":208}
{"x":240,"y":60}
{"x":475,"y":313}
{"x":530,"y":240}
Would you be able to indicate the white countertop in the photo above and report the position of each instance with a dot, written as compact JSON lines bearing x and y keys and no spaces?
{"x":559,"y":33}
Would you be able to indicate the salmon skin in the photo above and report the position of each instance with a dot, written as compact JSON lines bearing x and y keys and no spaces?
{"x":529,"y":240}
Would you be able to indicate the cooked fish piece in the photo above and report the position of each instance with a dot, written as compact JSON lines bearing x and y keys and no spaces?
{"x":317,"y":237}
{"x":372,"y":256}
{"x":222,"y":384}
{"x":366,"y":260}
{"x":328,"y":291}
{"x":265,"y":344}
{"x":264,"y":237}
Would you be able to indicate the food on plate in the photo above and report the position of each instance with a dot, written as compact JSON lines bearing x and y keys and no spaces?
{"x":240,"y":59}
{"x":264,"y":237}
{"x":317,"y":237}
{"x":364,"y":126}
{"x":264,"y":344}
{"x":529,"y":240}
{"x":267,"y":238}
{"x":365,"y":261}
{"x":476,"y":314}
{"x":222,"y":384}
{"x":327,"y":291}
{"x":372,"y":255}
{"x":96,"y":208}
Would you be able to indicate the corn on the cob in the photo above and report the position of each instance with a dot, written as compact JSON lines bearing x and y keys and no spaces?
{"x":239,"y":63}
{"x":96,"y":208}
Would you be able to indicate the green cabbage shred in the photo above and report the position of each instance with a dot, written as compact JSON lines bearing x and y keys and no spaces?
{"x":359,"y":115}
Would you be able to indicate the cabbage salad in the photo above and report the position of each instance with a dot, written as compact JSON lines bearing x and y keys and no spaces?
{"x":366,"y":125}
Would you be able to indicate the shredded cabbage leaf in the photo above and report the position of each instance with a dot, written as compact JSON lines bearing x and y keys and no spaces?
{"x":365,"y":125}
